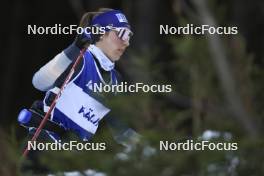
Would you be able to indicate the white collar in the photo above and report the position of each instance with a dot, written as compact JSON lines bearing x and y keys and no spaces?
{"x":104,"y":61}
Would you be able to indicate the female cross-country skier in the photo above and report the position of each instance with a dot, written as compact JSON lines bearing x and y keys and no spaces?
{"x":79,"y":109}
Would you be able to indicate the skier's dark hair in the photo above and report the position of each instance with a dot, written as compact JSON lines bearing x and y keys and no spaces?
{"x":88,"y":17}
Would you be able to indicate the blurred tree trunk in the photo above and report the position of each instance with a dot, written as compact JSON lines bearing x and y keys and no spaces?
{"x":228,"y":83}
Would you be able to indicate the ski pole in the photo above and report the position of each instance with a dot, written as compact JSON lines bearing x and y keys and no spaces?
{"x":43,"y":122}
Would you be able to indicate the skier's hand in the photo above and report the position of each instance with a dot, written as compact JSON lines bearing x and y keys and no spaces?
{"x":83,"y":40}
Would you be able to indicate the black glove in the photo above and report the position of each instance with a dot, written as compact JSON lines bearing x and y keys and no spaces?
{"x":83,"y":40}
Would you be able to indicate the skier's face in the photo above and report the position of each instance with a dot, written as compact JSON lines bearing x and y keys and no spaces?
{"x":112,"y":45}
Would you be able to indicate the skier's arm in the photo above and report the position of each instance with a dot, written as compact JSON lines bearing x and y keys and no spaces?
{"x":46,"y":76}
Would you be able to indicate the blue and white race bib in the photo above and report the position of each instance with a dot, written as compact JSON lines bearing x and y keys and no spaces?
{"x":81,"y":108}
